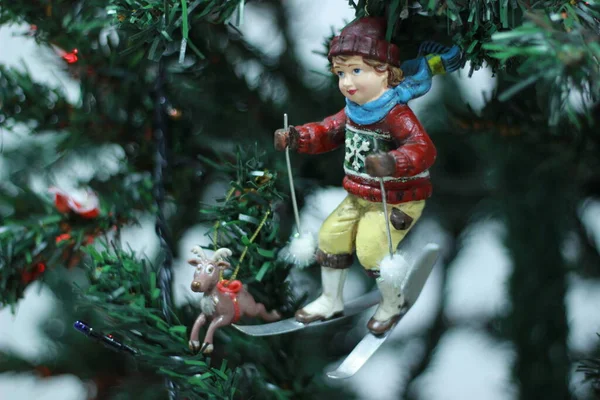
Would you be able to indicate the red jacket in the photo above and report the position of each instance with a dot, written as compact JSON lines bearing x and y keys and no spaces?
{"x":400,"y":133}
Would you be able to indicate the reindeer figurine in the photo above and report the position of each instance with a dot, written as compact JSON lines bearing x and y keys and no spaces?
{"x":224,"y":301}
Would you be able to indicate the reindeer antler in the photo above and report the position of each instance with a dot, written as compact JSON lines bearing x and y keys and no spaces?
{"x":221,"y":253}
{"x":197,"y":250}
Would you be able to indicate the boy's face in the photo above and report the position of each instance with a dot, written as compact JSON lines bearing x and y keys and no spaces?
{"x":358,"y":81}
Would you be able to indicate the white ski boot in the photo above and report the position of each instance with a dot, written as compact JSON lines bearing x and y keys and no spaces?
{"x":330,"y":304}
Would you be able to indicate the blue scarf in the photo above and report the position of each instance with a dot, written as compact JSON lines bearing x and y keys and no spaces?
{"x":417,"y":82}
{"x":410,"y":88}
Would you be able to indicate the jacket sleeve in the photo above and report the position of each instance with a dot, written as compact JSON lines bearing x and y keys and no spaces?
{"x":324,"y":136}
{"x":416,"y":152}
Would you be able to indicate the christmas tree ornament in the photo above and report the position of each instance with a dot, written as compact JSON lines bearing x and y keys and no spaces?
{"x":387,"y":160}
{"x":82,"y":203}
{"x":224,"y":301}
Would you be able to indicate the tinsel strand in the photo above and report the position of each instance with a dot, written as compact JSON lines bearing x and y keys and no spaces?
{"x":262,"y":223}
{"x":218,"y":223}
{"x":165,"y":275}
{"x":216,"y":238}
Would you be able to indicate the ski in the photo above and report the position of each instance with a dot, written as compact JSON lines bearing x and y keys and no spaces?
{"x":353,"y":307}
{"x":359,"y":356}
{"x":411,"y":288}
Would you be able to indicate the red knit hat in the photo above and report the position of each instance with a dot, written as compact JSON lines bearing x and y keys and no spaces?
{"x":365,"y":37}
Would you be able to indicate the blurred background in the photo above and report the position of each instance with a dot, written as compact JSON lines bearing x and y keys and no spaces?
{"x":510,"y":310}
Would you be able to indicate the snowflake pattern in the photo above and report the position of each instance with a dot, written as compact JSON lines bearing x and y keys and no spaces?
{"x":357,"y":149}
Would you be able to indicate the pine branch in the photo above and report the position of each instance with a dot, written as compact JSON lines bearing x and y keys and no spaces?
{"x":559,"y":53}
{"x":37,"y":236}
{"x":23,"y":101}
{"x":524,"y":120}
{"x":591,"y":369}
{"x":30,"y":246}
{"x":156,"y":24}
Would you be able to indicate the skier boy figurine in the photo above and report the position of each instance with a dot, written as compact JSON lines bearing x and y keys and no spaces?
{"x":383,"y":139}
